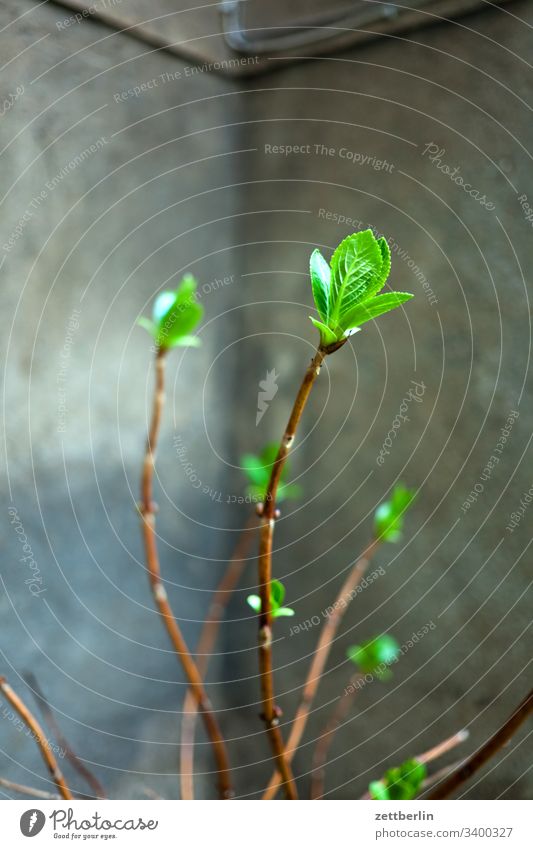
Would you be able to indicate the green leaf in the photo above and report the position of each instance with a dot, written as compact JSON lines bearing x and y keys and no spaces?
{"x":162,"y":304}
{"x":346,"y":296}
{"x":400,"y":782}
{"x":255,"y":493}
{"x":255,"y":602}
{"x":268,"y":456}
{"x":414,"y":771}
{"x":320,"y":282}
{"x":386,"y":264}
{"x":402,"y":497}
{"x":255,"y":470}
{"x":187,"y":342}
{"x":327,"y":336}
{"x":404,"y":782}
{"x":148,"y":325}
{"x":401,"y":791}
{"x":282,"y":611}
{"x":289,"y":492}
{"x":381,"y":278}
{"x":355,"y":264}
{"x":174,"y":316}
{"x":180,"y":317}
{"x":373,"y":656}
{"x":378,"y":791}
{"x":389,"y":517}
{"x":386,"y":649}
{"x":258,"y":469}
{"x":277,"y":594}
{"x":372,"y":308}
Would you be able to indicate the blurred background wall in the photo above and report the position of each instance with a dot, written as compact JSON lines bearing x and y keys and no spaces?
{"x":108,"y":196}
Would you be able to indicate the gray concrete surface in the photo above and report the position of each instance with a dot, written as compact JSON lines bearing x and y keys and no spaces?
{"x":181,"y":179}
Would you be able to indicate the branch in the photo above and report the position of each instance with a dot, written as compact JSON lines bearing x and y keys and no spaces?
{"x":204,"y":649}
{"x":147,"y":509}
{"x":324,"y":645}
{"x":434,"y":753}
{"x":325,"y":740}
{"x":486,"y":752}
{"x":23,"y":790}
{"x":70,"y":754}
{"x":444,"y":747}
{"x":268,"y":517}
{"x":44,"y":746}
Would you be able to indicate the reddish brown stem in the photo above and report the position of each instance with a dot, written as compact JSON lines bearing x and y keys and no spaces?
{"x":204,"y":649}
{"x":325,"y":740}
{"x":44,"y":746}
{"x":486,"y":752}
{"x":54,"y":728}
{"x":320,"y":657}
{"x":444,"y":747}
{"x":147,"y":510}
{"x":24,"y":790}
{"x":436,"y":752}
{"x":271,"y":712}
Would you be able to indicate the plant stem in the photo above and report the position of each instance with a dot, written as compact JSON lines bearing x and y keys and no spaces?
{"x":204,"y":649}
{"x":325,"y":740}
{"x":23,"y":790}
{"x":54,"y":728}
{"x":486,"y":752}
{"x":320,"y":657}
{"x":44,"y":746}
{"x":444,"y":747}
{"x":437,"y":752}
{"x":147,"y":509}
{"x":268,"y":517}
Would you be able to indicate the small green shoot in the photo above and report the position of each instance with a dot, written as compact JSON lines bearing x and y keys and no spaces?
{"x":400,"y":782}
{"x":388,"y":518}
{"x":375,"y":656}
{"x":277,"y":594}
{"x":346,"y":291}
{"x":174,"y":317}
{"x":258,"y":469}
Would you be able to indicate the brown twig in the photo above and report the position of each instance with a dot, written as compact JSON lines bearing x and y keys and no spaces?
{"x":320,"y":657}
{"x":44,"y":746}
{"x":325,"y":740}
{"x":24,"y":790}
{"x":444,"y":747}
{"x":204,"y":649}
{"x":437,"y":752}
{"x":486,"y":752}
{"x":339,"y":714}
{"x":54,"y":728}
{"x":430,"y":781}
{"x":270,"y":713}
{"x":147,"y":509}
